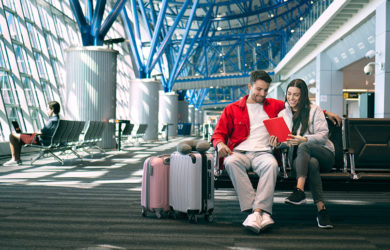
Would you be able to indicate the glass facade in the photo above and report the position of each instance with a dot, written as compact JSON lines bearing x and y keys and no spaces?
{"x":33,"y":37}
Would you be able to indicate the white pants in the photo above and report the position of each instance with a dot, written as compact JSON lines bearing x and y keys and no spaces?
{"x":264,"y":164}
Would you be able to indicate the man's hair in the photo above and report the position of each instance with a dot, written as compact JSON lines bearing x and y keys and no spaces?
{"x":55,"y":106}
{"x":260,"y":75}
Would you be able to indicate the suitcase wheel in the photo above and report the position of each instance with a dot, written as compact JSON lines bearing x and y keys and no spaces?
{"x":192,"y":218}
{"x":209,"y":217}
{"x":158,"y":214}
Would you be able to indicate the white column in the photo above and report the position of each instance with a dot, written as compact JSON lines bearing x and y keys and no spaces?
{"x":90,"y":88}
{"x":144,"y":105}
{"x":382,"y":76}
{"x":168,"y":110}
{"x":182,"y":111}
{"x":329,"y":85}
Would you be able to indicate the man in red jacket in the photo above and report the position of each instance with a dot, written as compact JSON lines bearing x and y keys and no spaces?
{"x":241,"y":127}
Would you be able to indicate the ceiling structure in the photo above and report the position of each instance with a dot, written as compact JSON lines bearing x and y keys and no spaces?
{"x":189,"y":44}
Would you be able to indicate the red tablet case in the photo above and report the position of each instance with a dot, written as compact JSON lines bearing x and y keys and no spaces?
{"x":277,"y":127}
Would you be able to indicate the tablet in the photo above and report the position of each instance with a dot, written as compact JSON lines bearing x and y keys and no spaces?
{"x":277,"y":127}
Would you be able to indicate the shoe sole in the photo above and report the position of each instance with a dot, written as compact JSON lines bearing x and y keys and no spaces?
{"x":253,"y":229}
{"x":324,"y":227}
{"x":295,"y":203}
{"x":267,"y":226}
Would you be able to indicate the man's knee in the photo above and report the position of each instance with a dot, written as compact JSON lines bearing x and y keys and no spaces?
{"x":233,"y":161}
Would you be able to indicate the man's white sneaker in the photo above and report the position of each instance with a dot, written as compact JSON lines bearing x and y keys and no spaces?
{"x":266,"y":221}
{"x":253,"y":222}
{"x":12,"y":162}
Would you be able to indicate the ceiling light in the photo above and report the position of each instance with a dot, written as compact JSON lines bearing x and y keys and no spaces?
{"x":292,"y":31}
{"x":301,"y":18}
{"x":219,"y":28}
{"x":272,"y":15}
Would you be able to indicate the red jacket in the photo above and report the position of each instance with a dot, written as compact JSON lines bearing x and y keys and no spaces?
{"x":233,"y":126}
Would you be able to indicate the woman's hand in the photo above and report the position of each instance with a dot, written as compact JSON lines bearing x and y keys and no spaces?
{"x":273,"y":141}
{"x":296,"y":139}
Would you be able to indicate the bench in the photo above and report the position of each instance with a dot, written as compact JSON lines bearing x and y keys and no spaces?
{"x":123,"y":131}
{"x":367,"y":147}
{"x":65,"y":137}
{"x":339,"y":170}
{"x":140,"y":132}
{"x":362,"y":151}
{"x":91,"y":136}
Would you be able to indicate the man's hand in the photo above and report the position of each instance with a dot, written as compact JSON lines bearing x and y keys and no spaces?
{"x":334,"y":118}
{"x":223,"y":150}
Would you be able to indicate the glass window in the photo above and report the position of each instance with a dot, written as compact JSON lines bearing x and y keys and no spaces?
{"x":21,"y":57}
{"x":35,"y":117}
{"x":14,"y":28}
{"x":50,"y":45}
{"x":29,"y":91}
{"x":40,"y":65}
{"x":10,"y":4}
{"x":33,"y":36}
{"x":47,"y":91}
{"x":2,"y":56}
{"x":13,"y":114}
{"x":1,"y":133}
{"x":26,"y":9}
{"x":6,"y":90}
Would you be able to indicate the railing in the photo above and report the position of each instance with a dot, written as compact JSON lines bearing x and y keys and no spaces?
{"x":318,"y":8}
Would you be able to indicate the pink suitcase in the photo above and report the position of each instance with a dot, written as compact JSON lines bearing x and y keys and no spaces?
{"x":155,"y":185}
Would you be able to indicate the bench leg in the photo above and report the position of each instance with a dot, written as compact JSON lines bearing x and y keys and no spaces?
{"x":284,"y":164}
{"x":352,"y":161}
{"x":41,"y":153}
{"x":56,"y":157}
{"x":345,"y":170}
{"x":75,"y":153}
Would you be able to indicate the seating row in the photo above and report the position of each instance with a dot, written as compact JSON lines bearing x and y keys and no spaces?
{"x":72,"y":135}
{"x":362,"y":151}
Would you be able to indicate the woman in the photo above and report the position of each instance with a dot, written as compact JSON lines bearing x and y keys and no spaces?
{"x":313,"y":151}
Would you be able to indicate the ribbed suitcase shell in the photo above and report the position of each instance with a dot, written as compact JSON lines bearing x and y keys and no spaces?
{"x":189,"y":191}
{"x":155,"y":185}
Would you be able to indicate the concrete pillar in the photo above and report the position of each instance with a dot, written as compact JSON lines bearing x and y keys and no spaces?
{"x":168,"y":110}
{"x":329,"y":85}
{"x":382,"y":75}
{"x":90,"y":88}
{"x":144,"y":105}
{"x":191,"y":114}
{"x":191,"y":117}
{"x":182,"y":115}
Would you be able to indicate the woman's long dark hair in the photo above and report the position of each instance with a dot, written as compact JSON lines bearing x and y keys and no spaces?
{"x":301,"y":116}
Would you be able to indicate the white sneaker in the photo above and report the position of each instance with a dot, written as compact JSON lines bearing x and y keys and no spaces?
{"x":266,"y":221}
{"x":12,"y":162}
{"x":253,"y":222}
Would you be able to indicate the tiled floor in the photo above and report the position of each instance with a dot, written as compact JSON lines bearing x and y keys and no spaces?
{"x":95,"y":204}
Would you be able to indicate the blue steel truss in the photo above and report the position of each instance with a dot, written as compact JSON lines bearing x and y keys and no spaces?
{"x":200,"y":39}
{"x":90,"y":25}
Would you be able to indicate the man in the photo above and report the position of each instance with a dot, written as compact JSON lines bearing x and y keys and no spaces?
{"x":40,"y":138}
{"x":241,"y":127}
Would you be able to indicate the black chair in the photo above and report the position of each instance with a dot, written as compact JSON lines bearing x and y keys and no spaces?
{"x":368,"y":146}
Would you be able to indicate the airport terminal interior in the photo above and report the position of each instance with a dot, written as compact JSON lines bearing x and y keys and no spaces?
{"x":135,"y":79}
